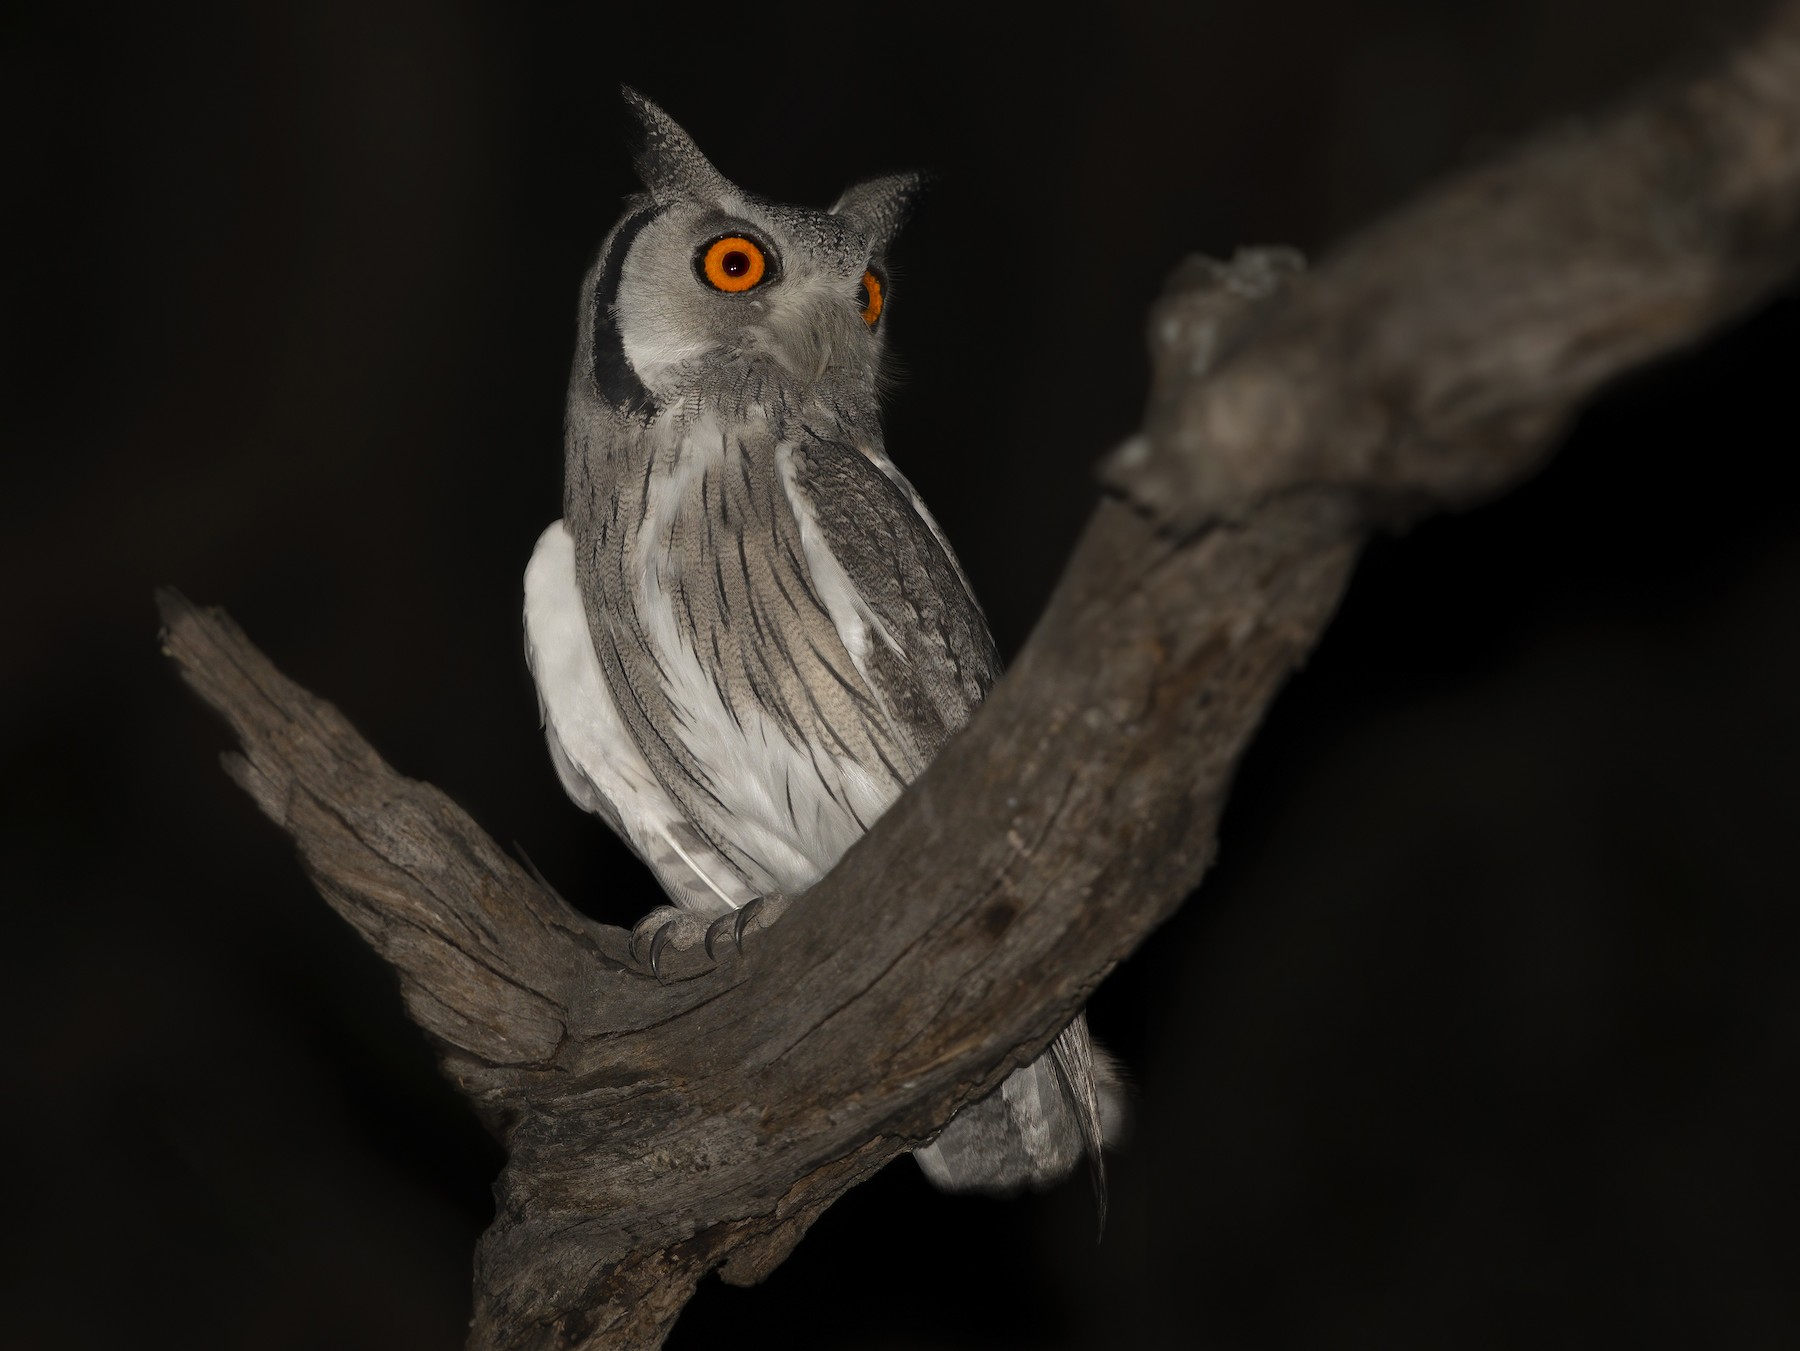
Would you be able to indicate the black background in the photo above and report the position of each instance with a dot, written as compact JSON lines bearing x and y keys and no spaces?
{"x":1482,"y":1032}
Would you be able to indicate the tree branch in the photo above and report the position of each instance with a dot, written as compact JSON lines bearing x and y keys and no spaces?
{"x":657,"y":1132}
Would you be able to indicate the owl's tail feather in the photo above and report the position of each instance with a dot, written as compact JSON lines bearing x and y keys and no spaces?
{"x":1073,"y":1051}
{"x":1034,"y":1128}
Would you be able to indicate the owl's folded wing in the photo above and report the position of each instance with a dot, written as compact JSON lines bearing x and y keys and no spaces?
{"x":896,"y":592}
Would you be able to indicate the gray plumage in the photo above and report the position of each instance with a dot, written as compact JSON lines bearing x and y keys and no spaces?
{"x":748,"y":633}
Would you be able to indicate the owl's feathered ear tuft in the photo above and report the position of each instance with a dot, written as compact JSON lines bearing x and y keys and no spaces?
{"x":881,"y":206}
{"x":670,"y":164}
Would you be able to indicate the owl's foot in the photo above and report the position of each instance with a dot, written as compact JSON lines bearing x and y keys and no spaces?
{"x":752,"y":917}
{"x":669,"y":941}
{"x":676,"y":945}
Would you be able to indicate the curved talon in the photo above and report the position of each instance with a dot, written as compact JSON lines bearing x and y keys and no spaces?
{"x":742,"y":918}
{"x":657,"y":945}
{"x":723,"y":924}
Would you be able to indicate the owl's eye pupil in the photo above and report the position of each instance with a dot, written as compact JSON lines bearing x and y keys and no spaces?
{"x":736,"y":263}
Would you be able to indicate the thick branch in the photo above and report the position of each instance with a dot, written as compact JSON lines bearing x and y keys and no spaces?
{"x":1433,"y":358}
{"x":658,"y":1132}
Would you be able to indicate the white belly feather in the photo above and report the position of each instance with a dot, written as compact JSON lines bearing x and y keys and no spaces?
{"x":792,"y":810}
{"x":599,"y":764}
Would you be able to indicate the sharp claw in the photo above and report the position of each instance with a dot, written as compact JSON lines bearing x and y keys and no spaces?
{"x":742,"y":919}
{"x":657,"y":945}
{"x":725,"y":923}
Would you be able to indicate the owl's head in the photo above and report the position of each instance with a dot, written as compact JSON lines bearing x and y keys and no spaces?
{"x":702,"y":284}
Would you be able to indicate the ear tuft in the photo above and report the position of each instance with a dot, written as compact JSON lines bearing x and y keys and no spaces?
{"x":881,"y":206}
{"x":669,"y":162}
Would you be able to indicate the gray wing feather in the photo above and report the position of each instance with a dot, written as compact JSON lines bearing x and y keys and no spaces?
{"x":1046,"y":1114}
{"x":936,"y":661}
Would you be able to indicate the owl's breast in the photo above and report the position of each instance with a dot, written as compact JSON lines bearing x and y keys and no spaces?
{"x":791,"y":752}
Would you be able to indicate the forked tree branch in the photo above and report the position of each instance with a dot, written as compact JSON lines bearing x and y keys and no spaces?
{"x":656,"y":1132}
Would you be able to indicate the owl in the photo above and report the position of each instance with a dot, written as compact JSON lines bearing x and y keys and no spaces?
{"x":747,"y":632}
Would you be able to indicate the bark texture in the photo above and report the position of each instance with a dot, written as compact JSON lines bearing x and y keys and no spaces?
{"x":656,"y":1132}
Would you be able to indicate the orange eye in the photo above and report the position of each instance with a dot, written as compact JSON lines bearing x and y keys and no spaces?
{"x":733,"y":263}
{"x":871,"y":297}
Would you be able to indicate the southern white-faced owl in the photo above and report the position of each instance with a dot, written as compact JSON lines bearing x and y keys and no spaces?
{"x":747,"y":632}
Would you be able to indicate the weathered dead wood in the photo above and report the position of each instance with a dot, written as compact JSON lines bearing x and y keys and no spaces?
{"x":655,"y":1133}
